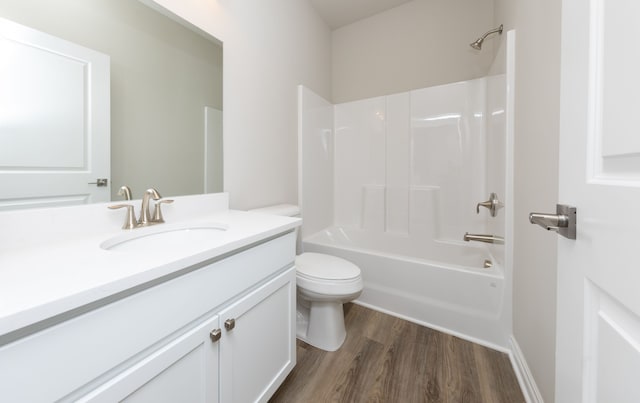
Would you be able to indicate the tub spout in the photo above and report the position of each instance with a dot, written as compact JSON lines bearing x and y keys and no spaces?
{"x":484,"y":238}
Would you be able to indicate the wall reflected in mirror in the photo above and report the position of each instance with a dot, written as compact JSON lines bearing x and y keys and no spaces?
{"x":166,"y":90}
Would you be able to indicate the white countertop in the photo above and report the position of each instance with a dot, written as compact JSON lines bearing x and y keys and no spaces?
{"x":51,"y":272}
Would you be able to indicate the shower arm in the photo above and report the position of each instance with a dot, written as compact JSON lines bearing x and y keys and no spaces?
{"x":493,"y":31}
{"x":478,"y":42}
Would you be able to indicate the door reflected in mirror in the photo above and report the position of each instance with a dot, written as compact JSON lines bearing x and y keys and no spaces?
{"x":165,"y":92}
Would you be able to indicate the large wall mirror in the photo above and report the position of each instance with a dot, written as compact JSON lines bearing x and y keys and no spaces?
{"x":165,"y":90}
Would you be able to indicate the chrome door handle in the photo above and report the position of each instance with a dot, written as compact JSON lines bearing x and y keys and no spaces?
{"x":549,"y":221}
{"x":100,"y":182}
{"x":563,"y":222}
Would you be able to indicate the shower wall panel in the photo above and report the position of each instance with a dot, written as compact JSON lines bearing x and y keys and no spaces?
{"x":447,"y":153}
{"x":360,"y":163}
{"x":315,"y":162}
{"x":398,"y":128}
{"x":412,"y":164}
{"x":497,"y":154}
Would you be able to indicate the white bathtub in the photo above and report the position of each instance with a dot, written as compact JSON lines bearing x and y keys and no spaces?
{"x":442,"y":285}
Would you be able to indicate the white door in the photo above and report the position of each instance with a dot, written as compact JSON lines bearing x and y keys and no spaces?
{"x":598,"y":328}
{"x":258,"y":345}
{"x":184,"y":370}
{"x":54,"y":120}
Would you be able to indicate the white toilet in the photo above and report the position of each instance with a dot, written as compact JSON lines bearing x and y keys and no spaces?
{"x":324,"y":283}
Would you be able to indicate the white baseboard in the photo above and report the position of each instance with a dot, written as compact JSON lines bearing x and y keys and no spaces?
{"x":527,"y":383}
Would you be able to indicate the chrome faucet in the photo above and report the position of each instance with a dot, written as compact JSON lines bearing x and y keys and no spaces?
{"x":484,"y":238}
{"x":144,"y":218}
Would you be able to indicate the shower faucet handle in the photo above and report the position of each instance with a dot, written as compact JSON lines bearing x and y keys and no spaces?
{"x":493,"y":204}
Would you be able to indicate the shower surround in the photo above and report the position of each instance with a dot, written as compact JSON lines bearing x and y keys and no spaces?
{"x":407,"y":164}
{"x":392,"y":183}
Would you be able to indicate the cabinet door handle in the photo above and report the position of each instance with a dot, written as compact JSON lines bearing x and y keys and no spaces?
{"x":229,"y":324}
{"x":215,"y":335}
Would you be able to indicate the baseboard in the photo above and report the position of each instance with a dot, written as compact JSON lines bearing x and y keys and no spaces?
{"x":525,"y":379}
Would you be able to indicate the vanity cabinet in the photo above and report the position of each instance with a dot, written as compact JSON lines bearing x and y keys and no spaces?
{"x":242,"y":357}
{"x":222,"y":331}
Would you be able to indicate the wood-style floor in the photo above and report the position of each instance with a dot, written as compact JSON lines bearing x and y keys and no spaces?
{"x":390,"y":360}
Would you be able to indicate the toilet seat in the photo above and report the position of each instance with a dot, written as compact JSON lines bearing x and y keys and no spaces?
{"x":327,"y":275}
{"x":325,"y":267}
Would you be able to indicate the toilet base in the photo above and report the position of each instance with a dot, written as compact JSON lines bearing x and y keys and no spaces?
{"x":321,"y":324}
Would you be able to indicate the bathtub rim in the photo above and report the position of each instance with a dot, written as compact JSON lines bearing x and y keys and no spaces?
{"x":496,"y":271}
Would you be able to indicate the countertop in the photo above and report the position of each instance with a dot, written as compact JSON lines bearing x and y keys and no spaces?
{"x":52,"y":272}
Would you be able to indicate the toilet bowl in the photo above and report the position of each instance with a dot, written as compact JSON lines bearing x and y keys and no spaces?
{"x":323,"y":284}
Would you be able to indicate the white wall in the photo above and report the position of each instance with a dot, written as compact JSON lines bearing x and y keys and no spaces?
{"x":537,"y":23}
{"x":416,"y":45}
{"x":269,"y":48}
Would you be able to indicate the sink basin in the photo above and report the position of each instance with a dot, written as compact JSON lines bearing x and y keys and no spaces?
{"x":163,"y":237}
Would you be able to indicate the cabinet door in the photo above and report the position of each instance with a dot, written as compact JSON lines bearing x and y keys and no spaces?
{"x":258,"y":341}
{"x":185,"y":370}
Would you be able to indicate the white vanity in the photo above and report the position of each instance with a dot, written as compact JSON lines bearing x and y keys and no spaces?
{"x":206,"y":320}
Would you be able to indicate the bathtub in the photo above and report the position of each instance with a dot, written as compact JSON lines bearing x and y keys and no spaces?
{"x":442,"y":285}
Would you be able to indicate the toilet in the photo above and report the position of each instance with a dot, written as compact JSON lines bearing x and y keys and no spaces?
{"x":324,"y":283}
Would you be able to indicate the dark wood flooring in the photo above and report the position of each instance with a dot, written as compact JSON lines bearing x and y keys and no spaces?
{"x":390,"y":360}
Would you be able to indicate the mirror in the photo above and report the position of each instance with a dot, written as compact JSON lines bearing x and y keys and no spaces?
{"x":165,"y":77}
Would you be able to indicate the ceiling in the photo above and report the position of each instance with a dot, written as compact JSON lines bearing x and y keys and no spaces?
{"x":338,"y":13}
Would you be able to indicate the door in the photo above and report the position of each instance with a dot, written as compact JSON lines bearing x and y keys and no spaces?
{"x":598,"y":328}
{"x":258,"y":345}
{"x":185,"y":370}
{"x":54,"y":120}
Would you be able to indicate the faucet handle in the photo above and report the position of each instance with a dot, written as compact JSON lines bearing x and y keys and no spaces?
{"x":493,"y":204}
{"x":157,"y":212}
{"x":130,"y":221}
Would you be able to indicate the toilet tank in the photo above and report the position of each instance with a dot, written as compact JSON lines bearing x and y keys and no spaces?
{"x":288,"y":210}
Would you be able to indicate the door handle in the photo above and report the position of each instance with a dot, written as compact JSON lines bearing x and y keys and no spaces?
{"x":100,"y":182}
{"x":563,"y":222}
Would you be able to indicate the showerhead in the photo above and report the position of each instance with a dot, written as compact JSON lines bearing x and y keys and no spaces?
{"x":477,"y":45}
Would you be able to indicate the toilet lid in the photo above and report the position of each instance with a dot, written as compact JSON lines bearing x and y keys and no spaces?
{"x":327,"y":267}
